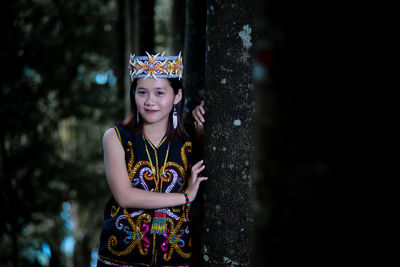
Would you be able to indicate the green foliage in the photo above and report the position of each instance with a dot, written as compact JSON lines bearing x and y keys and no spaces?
{"x":53,"y":114}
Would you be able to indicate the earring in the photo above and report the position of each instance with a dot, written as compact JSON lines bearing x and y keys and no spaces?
{"x":175,"y":118}
{"x":137,"y":117}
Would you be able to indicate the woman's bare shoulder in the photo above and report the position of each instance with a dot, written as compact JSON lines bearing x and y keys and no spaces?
{"x":110,"y":137}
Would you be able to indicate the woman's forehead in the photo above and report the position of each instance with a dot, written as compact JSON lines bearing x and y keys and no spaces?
{"x":150,"y":83}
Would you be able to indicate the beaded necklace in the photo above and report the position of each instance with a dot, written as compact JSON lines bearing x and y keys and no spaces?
{"x":154,"y":170}
{"x":159,"y":221}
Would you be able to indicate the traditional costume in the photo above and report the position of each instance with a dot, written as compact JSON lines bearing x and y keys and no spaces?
{"x":151,"y":237}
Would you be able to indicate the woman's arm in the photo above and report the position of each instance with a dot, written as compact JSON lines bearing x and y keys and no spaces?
{"x":130,"y":197}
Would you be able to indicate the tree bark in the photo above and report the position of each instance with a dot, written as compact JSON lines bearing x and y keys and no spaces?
{"x":230,"y":108}
{"x":194,"y":56}
{"x":177,"y":36}
{"x":126,"y":44}
{"x":15,"y":247}
{"x":56,"y":256}
{"x":137,"y":36}
{"x":143,"y":34}
{"x":82,"y":252}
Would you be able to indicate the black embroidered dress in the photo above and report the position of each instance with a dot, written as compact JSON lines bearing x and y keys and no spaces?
{"x":160,"y":237}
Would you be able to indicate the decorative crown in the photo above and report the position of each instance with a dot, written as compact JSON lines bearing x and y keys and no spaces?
{"x":155,"y":66}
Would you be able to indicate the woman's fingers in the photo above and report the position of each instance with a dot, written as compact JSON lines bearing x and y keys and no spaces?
{"x":201,"y":179}
{"x":198,"y":164}
{"x":195,"y":186}
{"x":199,"y":117}
{"x":198,"y":113}
{"x":196,"y":117}
{"x":201,"y":109}
{"x":197,"y":171}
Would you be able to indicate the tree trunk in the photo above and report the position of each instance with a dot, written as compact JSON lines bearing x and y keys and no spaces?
{"x":230,"y":107}
{"x":177,"y":35}
{"x":15,"y":247}
{"x":126,"y":45}
{"x":137,"y":36}
{"x":56,"y":256}
{"x":82,"y":252}
{"x":194,"y":60}
{"x":143,"y":34}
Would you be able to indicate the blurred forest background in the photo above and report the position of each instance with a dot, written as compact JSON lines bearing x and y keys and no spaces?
{"x":64,"y":81}
{"x":58,"y":95}
{"x":59,"y":91}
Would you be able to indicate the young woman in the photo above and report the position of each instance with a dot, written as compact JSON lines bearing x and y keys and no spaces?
{"x":148,"y":163}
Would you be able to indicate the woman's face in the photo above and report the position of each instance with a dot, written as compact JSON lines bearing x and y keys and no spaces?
{"x":155,"y":99}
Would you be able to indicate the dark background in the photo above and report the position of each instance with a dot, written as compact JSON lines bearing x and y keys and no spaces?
{"x":62,"y":87}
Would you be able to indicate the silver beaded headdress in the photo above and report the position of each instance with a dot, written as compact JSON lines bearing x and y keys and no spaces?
{"x":155,"y":66}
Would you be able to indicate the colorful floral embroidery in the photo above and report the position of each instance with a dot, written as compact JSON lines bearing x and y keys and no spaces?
{"x":160,"y":236}
{"x":135,"y":236}
{"x":174,"y":240}
{"x":186,"y":149}
{"x":114,"y":210}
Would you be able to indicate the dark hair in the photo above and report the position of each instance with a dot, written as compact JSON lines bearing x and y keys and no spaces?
{"x":130,"y":122}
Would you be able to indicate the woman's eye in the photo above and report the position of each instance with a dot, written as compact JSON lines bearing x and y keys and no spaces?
{"x":160,"y":93}
{"x":140,"y":92}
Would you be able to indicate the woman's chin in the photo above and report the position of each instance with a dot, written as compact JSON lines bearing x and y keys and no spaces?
{"x":153,"y":121}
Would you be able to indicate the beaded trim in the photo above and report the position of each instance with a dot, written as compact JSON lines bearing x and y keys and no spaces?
{"x":186,"y":198}
{"x":119,"y":135}
{"x":110,"y":263}
{"x":155,"y":66}
{"x":154,"y":170}
{"x":124,"y":265}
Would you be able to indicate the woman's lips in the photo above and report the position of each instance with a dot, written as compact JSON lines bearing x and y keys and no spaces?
{"x":150,"y":111}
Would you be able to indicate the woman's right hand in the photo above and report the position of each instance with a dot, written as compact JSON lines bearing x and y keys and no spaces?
{"x":195,"y":180}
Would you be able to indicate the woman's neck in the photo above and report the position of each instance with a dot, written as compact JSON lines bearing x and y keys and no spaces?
{"x":155,"y":132}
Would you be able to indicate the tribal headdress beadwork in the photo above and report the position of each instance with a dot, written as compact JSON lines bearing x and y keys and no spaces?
{"x":155,"y":66}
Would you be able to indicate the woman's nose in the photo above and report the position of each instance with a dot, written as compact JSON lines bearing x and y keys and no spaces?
{"x":149,"y":100}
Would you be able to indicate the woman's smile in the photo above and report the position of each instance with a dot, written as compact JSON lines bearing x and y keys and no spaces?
{"x":150,"y":111}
